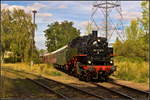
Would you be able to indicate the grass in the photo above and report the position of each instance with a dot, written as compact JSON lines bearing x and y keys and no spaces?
{"x":43,"y":69}
{"x":133,"y":71}
{"x":130,"y":70}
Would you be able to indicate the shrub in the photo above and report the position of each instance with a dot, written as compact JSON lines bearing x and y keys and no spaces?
{"x":132,"y":71}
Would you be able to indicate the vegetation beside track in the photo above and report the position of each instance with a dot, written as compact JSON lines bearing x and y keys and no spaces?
{"x":131,"y":70}
{"x":133,"y":53}
{"x":42,"y":69}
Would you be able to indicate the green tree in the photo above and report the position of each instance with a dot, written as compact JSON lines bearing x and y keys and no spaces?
{"x":132,"y":31}
{"x":145,"y":17}
{"x":59,"y":34}
{"x":17,"y":29}
{"x":117,"y":46}
{"x":137,"y":34}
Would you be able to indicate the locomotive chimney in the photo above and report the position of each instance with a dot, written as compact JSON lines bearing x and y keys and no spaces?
{"x":94,"y":33}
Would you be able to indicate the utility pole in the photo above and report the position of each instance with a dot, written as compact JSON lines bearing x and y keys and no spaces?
{"x":33,"y":34}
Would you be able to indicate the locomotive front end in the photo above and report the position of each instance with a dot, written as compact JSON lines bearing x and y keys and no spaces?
{"x":100,"y":60}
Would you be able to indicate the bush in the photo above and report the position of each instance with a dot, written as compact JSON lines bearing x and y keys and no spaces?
{"x":132,"y":71}
{"x":128,"y":59}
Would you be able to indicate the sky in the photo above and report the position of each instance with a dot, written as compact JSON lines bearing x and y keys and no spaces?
{"x":79,"y":12}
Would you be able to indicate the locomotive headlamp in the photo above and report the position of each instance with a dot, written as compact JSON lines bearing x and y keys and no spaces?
{"x":111,"y":62}
{"x":89,"y":62}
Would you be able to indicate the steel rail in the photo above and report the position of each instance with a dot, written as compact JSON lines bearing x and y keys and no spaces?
{"x":49,"y":89}
{"x":41,"y":85}
{"x":117,"y":92}
{"x":97,"y":96}
{"x":141,"y":91}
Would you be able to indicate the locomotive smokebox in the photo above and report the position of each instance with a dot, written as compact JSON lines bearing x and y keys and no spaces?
{"x":94,"y":33}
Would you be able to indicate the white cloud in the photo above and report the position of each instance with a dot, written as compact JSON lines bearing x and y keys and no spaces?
{"x":62,"y":6}
{"x":84,"y":23}
{"x":4,"y":6}
{"x":45,"y":14}
{"x":28,"y":9}
{"x":44,"y":18}
{"x":36,"y":6}
{"x":11,"y":7}
{"x":129,"y":15}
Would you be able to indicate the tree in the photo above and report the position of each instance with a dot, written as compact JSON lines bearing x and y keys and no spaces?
{"x":132,"y":31}
{"x":137,"y":33}
{"x":145,"y":17}
{"x":117,"y":46}
{"x":17,"y":29}
{"x":42,"y":51}
{"x":59,"y":34}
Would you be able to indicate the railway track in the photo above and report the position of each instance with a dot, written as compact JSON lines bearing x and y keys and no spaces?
{"x":134,"y":89}
{"x":106,"y":93}
{"x":64,"y":91}
{"x":113,"y":91}
{"x":126,"y":91}
{"x":40,"y":84}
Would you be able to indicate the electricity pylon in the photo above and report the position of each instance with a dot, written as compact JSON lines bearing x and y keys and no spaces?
{"x":106,"y":7}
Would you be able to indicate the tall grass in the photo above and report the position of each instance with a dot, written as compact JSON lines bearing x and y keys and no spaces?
{"x":37,"y":68}
{"x":137,"y":71}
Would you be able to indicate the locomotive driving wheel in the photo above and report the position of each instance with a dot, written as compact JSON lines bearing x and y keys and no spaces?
{"x":81,"y":76}
{"x":88,"y":76}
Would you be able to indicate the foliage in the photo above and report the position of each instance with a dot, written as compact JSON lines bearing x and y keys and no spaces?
{"x":136,"y":71}
{"x":145,"y":17}
{"x":132,"y":31}
{"x":42,"y":69}
{"x":126,"y":59}
{"x":59,"y":34}
{"x":17,"y":30}
{"x":132,"y":54}
{"x":42,"y":51}
{"x":136,"y":44}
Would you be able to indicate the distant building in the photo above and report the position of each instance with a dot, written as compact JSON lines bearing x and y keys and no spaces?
{"x":8,"y":54}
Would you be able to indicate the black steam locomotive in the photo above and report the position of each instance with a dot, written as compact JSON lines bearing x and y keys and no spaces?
{"x":87,"y":57}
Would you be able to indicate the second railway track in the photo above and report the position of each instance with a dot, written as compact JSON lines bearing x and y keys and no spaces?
{"x":64,"y":91}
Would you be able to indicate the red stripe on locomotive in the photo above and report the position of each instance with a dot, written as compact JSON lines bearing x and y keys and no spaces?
{"x":98,"y":68}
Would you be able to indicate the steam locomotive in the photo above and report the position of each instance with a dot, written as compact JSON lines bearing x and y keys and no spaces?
{"x":87,"y":57}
